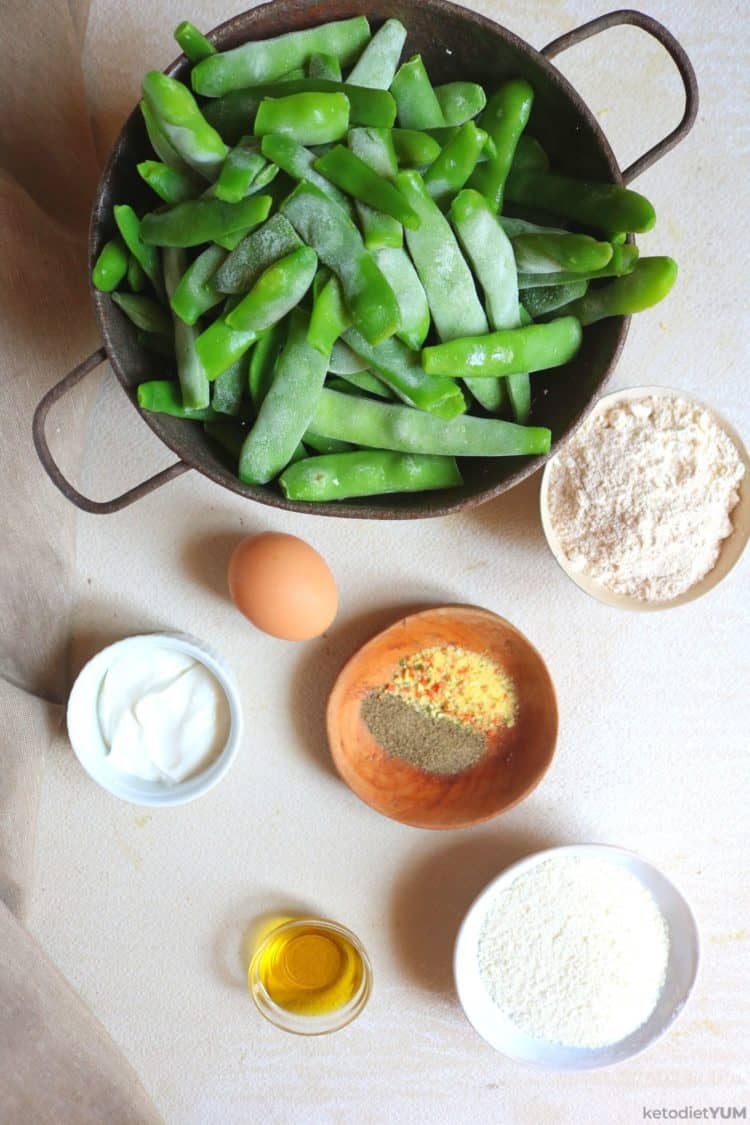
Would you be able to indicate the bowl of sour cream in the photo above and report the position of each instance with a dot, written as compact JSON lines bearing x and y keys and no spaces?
{"x":155,"y":719}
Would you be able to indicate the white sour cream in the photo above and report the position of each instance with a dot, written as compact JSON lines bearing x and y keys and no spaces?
{"x":163,"y":716}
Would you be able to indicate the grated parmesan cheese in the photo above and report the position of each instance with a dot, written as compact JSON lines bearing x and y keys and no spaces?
{"x":574,"y":951}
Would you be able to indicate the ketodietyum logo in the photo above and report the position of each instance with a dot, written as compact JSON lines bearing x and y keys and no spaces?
{"x":698,"y":1113}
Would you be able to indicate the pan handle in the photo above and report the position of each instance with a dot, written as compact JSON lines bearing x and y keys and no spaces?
{"x":673,"y":49}
{"x":100,"y":507}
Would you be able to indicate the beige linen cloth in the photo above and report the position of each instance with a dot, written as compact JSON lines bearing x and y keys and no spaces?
{"x":57,"y":1064}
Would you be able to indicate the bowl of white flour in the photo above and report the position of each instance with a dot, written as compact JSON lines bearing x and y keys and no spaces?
{"x":647,"y":507}
{"x":576,"y":958}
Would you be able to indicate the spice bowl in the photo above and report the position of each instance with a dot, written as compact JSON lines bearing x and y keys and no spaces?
{"x":498,"y":1029}
{"x":515,"y":759}
{"x":731,"y":549}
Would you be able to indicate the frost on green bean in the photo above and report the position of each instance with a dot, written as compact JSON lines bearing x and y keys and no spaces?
{"x":378,"y":425}
{"x":197,"y":291}
{"x":401,"y":370}
{"x":287,"y":408}
{"x":192,"y":377}
{"x":187,"y":130}
{"x":275,"y":239}
{"x":269,"y":59}
{"x":397,"y":267}
{"x":340,"y":476}
{"x":377,"y":65}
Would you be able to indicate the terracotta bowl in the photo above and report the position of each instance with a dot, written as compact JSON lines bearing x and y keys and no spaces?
{"x":517,"y":757}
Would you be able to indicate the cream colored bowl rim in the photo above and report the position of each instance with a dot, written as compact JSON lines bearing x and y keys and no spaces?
{"x":732,"y":547}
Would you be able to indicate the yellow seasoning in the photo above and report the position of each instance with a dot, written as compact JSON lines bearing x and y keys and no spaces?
{"x":310,"y":970}
{"x":454,"y":683}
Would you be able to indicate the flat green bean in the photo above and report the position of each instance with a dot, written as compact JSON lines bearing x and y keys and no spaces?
{"x":193,"y":381}
{"x":185,"y":127}
{"x":450,"y":171}
{"x":169,"y":184}
{"x":414,"y":148}
{"x":194,"y":44}
{"x":197,"y":291}
{"x":202,"y":220}
{"x":323,"y":225}
{"x":111,"y":266}
{"x":604,"y":206}
{"x":340,"y":476}
{"x":375,"y":148}
{"x":533,"y":348}
{"x":460,"y":101}
{"x":376,"y":66}
{"x":131,"y":229}
{"x":298,"y":162}
{"x":326,"y":67}
{"x":397,"y":268}
{"x":379,"y":425}
{"x":622,"y":262}
{"x":329,"y":317}
{"x":144,"y":312}
{"x":269,"y":59}
{"x":242,"y":165}
{"x":163,"y":396}
{"x":648,"y":284}
{"x":546,"y":253}
{"x":505,"y":119}
{"x":416,"y":101}
{"x":309,"y":119}
{"x":160,"y":143}
{"x":401,"y":370}
{"x":344,"y":361}
{"x":288,"y":407}
{"x":263,"y":359}
{"x":275,"y":239}
{"x":227,"y":390}
{"x":546,"y":299}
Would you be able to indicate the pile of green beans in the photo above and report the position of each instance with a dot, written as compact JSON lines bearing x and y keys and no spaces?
{"x":349,"y":275}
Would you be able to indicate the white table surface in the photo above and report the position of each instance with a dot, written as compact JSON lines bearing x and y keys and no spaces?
{"x":146,"y":911}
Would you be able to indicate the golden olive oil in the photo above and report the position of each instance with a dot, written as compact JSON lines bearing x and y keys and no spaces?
{"x":309,"y":970}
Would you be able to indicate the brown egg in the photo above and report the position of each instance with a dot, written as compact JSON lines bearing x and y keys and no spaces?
{"x":283,"y":586}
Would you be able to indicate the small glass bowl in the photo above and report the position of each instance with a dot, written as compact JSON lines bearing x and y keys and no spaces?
{"x":305,"y":1024}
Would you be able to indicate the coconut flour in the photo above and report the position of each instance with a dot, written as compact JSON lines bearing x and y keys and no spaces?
{"x":574,"y":951}
{"x":640,"y":499}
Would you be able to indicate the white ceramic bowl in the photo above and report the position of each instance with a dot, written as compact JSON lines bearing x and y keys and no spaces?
{"x":504,"y":1036}
{"x":731,"y":549}
{"x":90,"y":749}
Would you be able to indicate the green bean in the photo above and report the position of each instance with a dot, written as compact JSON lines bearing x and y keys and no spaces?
{"x":448,"y":284}
{"x":460,"y":101}
{"x":379,"y":425}
{"x":135,"y":276}
{"x":324,"y":444}
{"x":160,"y":143}
{"x":529,"y":156}
{"x":309,"y":119}
{"x":504,"y":119}
{"x":326,"y":67}
{"x":329,"y":317}
{"x":323,"y":225}
{"x":185,"y":127}
{"x":340,"y":476}
{"x":546,"y":253}
{"x":242,"y":165}
{"x":262,"y":359}
{"x":194,"y":44}
{"x":604,"y":206}
{"x":648,"y":284}
{"x":169,"y":184}
{"x":361,"y":381}
{"x":287,"y":408}
{"x":144,"y":312}
{"x":267,"y":60}
{"x":416,"y":101}
{"x":297,"y":161}
{"x":227,"y":390}
{"x":547,"y":298}
{"x":401,"y":370}
{"x":275,"y":239}
{"x":131,"y":229}
{"x":202,"y":220}
{"x":533,"y":348}
{"x":490,"y":253}
{"x":276,"y":292}
{"x":396,"y":266}
{"x":197,"y":291}
{"x":375,"y":148}
{"x":375,"y":108}
{"x":163,"y":396}
{"x":269,"y":297}
{"x":111,"y":266}
{"x":376,"y":66}
{"x":344,"y":361}
{"x":415,"y":148}
{"x":622,"y":262}
{"x":445,"y":133}
{"x":193,"y":381}
{"x":450,"y":171}
{"x":343,"y":168}
{"x":514,"y":227}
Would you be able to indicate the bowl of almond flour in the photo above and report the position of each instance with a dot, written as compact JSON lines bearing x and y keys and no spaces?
{"x":576,"y":958}
{"x":647,"y":507}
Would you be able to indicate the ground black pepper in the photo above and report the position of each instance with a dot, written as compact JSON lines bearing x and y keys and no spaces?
{"x":435,"y":745}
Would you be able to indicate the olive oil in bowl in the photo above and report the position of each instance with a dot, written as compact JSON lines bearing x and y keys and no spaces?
{"x":310,"y":976}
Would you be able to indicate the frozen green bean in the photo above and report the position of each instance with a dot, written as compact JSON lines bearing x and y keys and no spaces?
{"x":326,"y":67}
{"x":399,"y":272}
{"x":136,"y":278}
{"x":263,"y":359}
{"x":163,"y":396}
{"x":622,"y":262}
{"x":345,"y":169}
{"x":340,"y":476}
{"x":460,"y":101}
{"x":401,"y":370}
{"x":546,"y":299}
{"x":505,"y":119}
{"x":379,"y":425}
{"x":242,"y":165}
{"x":227,"y":390}
{"x":416,"y":101}
{"x":604,"y":206}
{"x":448,"y":174}
{"x":375,"y":148}
{"x":269,"y":59}
{"x":329,"y":317}
{"x":197,"y":291}
{"x":288,"y":407}
{"x":193,"y":381}
{"x":297,"y":161}
{"x":376,"y":66}
{"x":194,"y":44}
{"x":275,"y":239}
{"x":160,"y":143}
{"x":309,"y":119}
{"x":131,"y":229}
{"x":185,"y":127}
{"x":344,"y":361}
{"x":169,"y":184}
{"x":533,"y":348}
{"x":414,"y":148}
{"x":546,"y":253}
{"x":648,"y":284}
{"x":144,"y":312}
{"x":111,"y":266}
{"x":202,"y":220}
